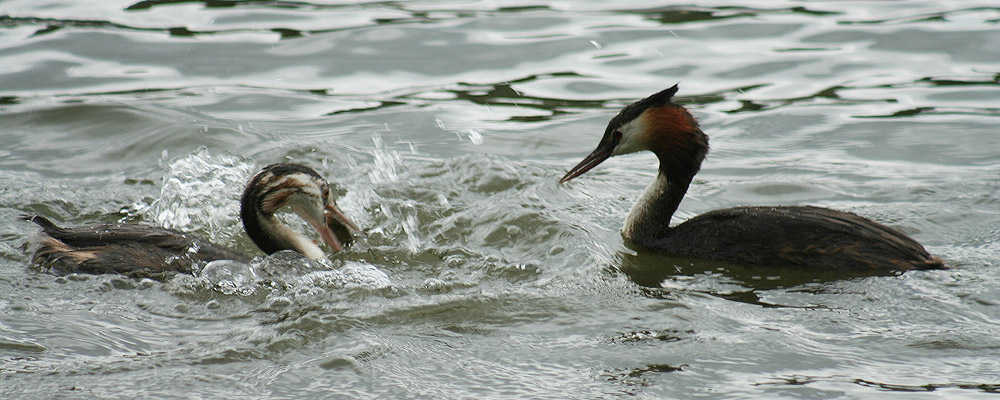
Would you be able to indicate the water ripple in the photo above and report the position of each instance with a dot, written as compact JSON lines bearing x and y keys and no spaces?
{"x":445,"y":126}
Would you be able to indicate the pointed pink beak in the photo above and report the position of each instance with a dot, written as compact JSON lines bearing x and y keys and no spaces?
{"x":324,"y":230}
{"x":601,"y":153}
{"x":339,"y":224}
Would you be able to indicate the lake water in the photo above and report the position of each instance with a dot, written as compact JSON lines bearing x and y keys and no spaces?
{"x":445,"y":126}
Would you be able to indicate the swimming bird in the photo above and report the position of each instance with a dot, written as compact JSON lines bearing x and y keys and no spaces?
{"x":138,"y":249}
{"x":781,"y":236}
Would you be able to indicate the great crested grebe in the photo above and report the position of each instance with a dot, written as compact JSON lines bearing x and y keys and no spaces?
{"x":135,"y":249}
{"x":801,"y":236}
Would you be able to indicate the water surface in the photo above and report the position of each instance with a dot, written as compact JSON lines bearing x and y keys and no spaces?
{"x":445,"y":126}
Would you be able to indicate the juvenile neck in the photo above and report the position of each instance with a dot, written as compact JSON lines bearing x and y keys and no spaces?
{"x":258,"y":227}
{"x":271,"y":235}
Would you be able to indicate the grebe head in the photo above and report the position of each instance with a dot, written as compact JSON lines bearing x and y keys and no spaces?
{"x":308,"y":195}
{"x":656,"y":124}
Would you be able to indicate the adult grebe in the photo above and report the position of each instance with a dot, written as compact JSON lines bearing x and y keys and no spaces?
{"x":134,"y":249}
{"x":776,"y":236}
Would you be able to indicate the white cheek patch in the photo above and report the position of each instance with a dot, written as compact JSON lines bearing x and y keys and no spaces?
{"x":632,"y":138}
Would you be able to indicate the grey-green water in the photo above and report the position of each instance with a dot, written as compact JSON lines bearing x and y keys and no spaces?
{"x":445,"y":126}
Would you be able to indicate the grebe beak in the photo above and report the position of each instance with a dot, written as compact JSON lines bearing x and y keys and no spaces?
{"x":320,"y":224}
{"x":341,"y":226}
{"x":601,"y":153}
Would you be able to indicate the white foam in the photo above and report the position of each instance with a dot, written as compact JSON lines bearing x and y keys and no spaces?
{"x":201,"y":191}
{"x":350,"y":275}
{"x":230,"y":277}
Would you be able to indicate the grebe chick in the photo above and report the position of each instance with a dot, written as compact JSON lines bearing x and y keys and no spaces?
{"x":135,"y":249}
{"x":782,"y":236}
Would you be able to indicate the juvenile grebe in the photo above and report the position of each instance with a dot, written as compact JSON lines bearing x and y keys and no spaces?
{"x":135,"y":249}
{"x":801,"y":236}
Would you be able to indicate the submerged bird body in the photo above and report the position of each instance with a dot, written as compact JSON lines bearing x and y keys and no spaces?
{"x":136,"y":249}
{"x":800,"y":236}
{"x":796,"y":236}
{"x":123,"y":248}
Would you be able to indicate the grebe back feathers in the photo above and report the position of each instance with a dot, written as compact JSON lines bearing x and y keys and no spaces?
{"x":139,"y":249}
{"x":801,"y":236}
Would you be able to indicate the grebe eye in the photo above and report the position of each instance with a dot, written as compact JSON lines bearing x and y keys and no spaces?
{"x":616,"y":137}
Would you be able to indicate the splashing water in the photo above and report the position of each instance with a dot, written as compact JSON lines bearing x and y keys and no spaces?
{"x":386,"y":162}
{"x":202,"y":190}
{"x":350,"y":275}
{"x":230,"y":277}
{"x":475,"y":137}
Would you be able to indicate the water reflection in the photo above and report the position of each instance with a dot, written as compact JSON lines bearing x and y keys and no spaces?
{"x":656,"y":270}
{"x":483,"y":278}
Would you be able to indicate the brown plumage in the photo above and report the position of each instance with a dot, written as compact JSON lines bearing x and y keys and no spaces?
{"x":800,"y":236}
{"x":145,"y":250}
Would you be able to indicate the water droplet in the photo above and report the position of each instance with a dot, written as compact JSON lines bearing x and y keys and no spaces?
{"x":410,"y":227}
{"x":230,"y":277}
{"x":386,"y":162}
{"x":475,"y":137}
{"x":513,"y":231}
{"x":279,"y":302}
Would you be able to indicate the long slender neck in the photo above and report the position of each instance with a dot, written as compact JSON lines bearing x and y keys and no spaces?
{"x":680,"y":160}
{"x":649,"y":219}
{"x":271,"y":235}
